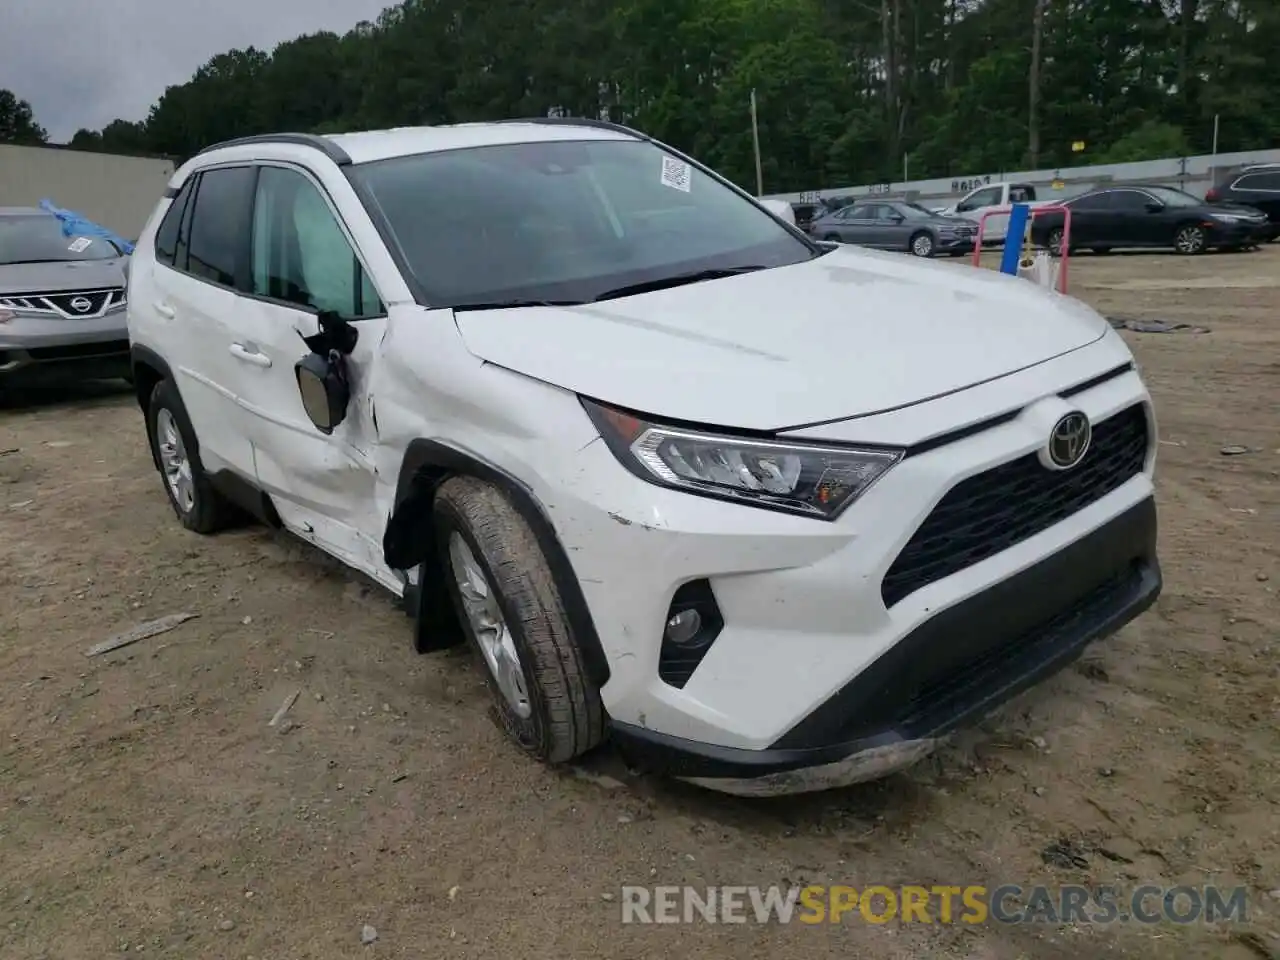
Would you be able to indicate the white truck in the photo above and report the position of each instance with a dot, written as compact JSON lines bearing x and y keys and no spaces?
{"x":994,"y":196}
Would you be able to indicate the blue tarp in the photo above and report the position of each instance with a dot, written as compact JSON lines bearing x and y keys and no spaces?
{"x":74,"y":225}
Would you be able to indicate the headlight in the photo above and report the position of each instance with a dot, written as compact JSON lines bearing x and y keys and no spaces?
{"x":812,"y":480}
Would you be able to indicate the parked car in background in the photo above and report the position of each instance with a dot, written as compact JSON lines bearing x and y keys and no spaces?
{"x":1150,"y":216}
{"x":805,"y":214}
{"x":1256,"y":186}
{"x":992,"y":197}
{"x":62,"y":302}
{"x":897,"y":225}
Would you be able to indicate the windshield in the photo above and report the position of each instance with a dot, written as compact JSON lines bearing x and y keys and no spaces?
{"x":1173,"y":197}
{"x":566,"y":221}
{"x":39,"y":239}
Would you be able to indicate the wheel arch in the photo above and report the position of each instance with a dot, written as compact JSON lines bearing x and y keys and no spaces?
{"x":149,"y":368}
{"x":409,"y":541}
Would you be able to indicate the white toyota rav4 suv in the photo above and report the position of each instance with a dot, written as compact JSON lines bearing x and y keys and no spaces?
{"x":770,"y":516}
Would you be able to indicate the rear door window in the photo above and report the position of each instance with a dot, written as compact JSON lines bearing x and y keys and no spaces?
{"x":1268,"y":182}
{"x":220,"y":227}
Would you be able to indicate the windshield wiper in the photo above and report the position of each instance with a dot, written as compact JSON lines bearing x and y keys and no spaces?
{"x":678,"y":280}
{"x":511,"y":304}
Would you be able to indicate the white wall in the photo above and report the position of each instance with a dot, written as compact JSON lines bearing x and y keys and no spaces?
{"x":117,"y":192}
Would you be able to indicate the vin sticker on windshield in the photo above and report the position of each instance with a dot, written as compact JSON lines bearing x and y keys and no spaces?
{"x":79,"y":245}
{"x":675,"y":174}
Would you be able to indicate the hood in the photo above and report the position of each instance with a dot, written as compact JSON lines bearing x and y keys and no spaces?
{"x":846,"y":334}
{"x":62,"y":277}
{"x":950,"y":219}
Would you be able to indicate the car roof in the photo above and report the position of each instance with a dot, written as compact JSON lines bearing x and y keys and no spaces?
{"x":368,"y":146}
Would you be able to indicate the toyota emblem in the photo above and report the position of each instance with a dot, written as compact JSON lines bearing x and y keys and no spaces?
{"x":81,"y":304}
{"x":1069,"y":440}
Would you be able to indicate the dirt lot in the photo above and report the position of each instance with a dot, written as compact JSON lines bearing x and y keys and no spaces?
{"x":147,"y":807}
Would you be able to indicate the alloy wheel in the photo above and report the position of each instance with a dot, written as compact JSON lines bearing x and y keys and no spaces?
{"x":174,"y":461}
{"x":493,"y":636}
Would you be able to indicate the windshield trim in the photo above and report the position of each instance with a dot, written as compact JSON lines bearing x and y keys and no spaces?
{"x":354,"y":175}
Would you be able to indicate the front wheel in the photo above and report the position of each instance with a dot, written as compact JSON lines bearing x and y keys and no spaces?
{"x":511,"y":611}
{"x":922,"y":245}
{"x":1189,"y":240}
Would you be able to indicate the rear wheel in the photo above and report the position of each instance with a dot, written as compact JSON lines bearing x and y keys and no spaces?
{"x":1055,"y":242}
{"x":1189,"y":240}
{"x":510,"y":609}
{"x":198,"y":506}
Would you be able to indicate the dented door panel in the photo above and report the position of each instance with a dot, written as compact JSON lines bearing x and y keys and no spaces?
{"x":322,"y":485}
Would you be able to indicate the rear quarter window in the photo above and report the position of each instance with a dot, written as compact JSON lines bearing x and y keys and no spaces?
{"x":166,"y":241}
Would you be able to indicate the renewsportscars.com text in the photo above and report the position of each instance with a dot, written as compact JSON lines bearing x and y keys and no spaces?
{"x":1008,"y":903}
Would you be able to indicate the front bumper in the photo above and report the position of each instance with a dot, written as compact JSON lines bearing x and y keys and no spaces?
{"x":1022,"y":629}
{"x":956,"y":244}
{"x":41,"y":349}
{"x":1239,"y":234}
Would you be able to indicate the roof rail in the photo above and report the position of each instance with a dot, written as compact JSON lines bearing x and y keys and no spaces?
{"x":323,"y":144}
{"x":580,"y":122}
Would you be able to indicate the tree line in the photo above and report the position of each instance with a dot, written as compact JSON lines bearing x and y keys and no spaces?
{"x":848,"y":91}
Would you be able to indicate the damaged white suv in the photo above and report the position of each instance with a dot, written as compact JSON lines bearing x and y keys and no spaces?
{"x":770,"y":516}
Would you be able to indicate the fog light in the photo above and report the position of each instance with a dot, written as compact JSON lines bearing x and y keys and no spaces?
{"x":692,"y":625}
{"x":684,"y":627}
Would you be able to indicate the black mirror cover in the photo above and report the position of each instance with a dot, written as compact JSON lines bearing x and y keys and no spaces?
{"x":325,"y":390}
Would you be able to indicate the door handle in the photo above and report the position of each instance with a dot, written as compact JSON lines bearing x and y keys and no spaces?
{"x":164,"y":310}
{"x":241,"y":352}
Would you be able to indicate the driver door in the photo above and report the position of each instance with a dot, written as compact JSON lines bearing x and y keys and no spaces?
{"x":304,"y":262}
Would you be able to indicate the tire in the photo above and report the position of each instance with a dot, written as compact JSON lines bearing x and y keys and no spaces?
{"x":921,"y":244}
{"x":561,"y":715}
{"x":197,"y":505}
{"x":1054,"y":242}
{"x":1189,"y":240}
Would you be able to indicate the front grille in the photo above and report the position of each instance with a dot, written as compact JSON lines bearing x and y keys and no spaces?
{"x":75,"y":303}
{"x":995,"y":510}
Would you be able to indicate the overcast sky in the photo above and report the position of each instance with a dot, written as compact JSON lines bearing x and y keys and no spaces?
{"x":84,"y":63}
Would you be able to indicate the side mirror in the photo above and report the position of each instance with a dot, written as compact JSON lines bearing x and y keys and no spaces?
{"x":896,"y":218}
{"x":1154,"y":207}
{"x":325,"y":392}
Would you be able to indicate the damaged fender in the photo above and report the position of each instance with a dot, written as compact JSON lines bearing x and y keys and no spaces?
{"x":409,"y":542}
